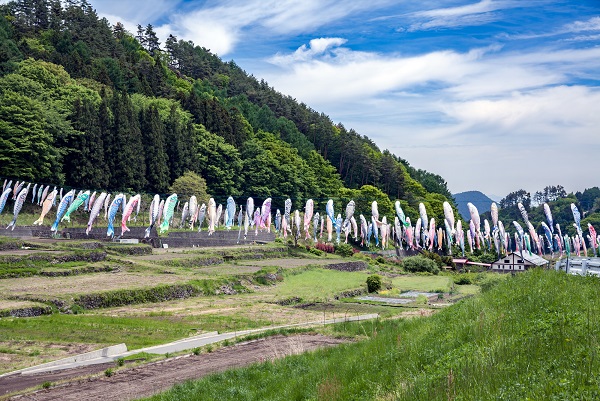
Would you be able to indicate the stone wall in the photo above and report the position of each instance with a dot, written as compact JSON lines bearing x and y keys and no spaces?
{"x":348,"y":266}
{"x":178,"y":239}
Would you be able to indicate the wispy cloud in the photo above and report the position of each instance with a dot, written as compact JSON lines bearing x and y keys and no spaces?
{"x":326,"y":71}
{"x":135,"y":12}
{"x":592,"y":24}
{"x":465,"y":15}
{"x":220,"y":26}
{"x":316,"y":47}
{"x":487,"y":100}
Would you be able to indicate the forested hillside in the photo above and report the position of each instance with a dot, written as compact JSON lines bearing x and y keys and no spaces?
{"x":587,"y":202}
{"x":90,"y":105}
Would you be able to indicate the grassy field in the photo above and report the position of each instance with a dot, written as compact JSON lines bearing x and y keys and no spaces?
{"x":317,"y":284}
{"x":423,"y":283}
{"x":532,"y":336}
{"x":258,"y":301}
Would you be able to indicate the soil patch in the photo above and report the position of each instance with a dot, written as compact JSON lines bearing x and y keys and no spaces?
{"x":146,"y":380}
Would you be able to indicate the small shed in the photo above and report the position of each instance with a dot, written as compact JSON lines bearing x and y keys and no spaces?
{"x":460,"y":263}
{"x":513,"y":262}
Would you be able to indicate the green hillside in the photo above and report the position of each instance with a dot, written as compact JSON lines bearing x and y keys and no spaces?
{"x":531,"y":337}
{"x":90,"y":105}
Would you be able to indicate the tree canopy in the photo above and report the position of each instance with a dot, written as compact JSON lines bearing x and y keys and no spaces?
{"x":93,"y":105}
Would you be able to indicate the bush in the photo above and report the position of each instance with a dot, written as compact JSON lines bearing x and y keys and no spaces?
{"x":109,"y":372}
{"x":325,"y":247}
{"x":489,"y":282}
{"x":345,"y":250}
{"x":196,"y":351}
{"x":120,"y":362}
{"x":421,"y":299}
{"x":416,"y":264}
{"x":374,"y":283}
{"x":433,"y":256}
{"x":448,"y":261}
{"x":380,"y":260}
{"x":463,"y":279}
{"x":315,"y":251}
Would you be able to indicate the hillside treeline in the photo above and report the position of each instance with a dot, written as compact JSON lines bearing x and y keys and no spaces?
{"x":587,"y":202}
{"x":91,"y":105}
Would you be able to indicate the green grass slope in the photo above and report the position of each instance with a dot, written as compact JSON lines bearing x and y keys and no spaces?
{"x":533,"y":336}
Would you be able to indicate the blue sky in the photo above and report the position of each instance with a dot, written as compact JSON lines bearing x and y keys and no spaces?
{"x":494,"y":95}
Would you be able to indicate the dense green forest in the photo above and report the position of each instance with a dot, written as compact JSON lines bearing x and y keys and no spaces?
{"x":90,"y":105}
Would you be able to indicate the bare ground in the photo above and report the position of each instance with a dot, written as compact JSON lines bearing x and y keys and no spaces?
{"x":146,"y":380}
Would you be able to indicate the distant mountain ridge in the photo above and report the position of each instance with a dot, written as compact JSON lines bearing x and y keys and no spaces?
{"x":481,"y":201}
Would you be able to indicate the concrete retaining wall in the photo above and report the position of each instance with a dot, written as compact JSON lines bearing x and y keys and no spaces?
{"x":101,"y":353}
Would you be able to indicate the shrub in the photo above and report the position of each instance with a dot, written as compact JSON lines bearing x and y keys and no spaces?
{"x":380,"y":260}
{"x":120,"y":362}
{"x":421,"y":299}
{"x":344,"y":250}
{"x":46,"y":385}
{"x":109,"y":372}
{"x":463,"y":279}
{"x":415,"y":264}
{"x":489,"y":282}
{"x":325,"y":247}
{"x":316,"y":251}
{"x":433,"y":256}
{"x":76,"y":309}
{"x":374,"y":283}
{"x":448,"y":261}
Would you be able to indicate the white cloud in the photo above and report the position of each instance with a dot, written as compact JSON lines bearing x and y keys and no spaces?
{"x":220,"y":26}
{"x":592,"y":24}
{"x":466,"y":15}
{"x":554,"y":109}
{"x":476,"y":8}
{"x":329,"y":72}
{"x":316,"y":47}
{"x":448,"y":111}
{"x":134,"y":12}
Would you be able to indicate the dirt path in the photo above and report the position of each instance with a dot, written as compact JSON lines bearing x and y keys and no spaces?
{"x":146,"y":380}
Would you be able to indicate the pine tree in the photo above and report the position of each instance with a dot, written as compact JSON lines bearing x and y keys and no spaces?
{"x":153,"y":136}
{"x":140,"y":36}
{"x":151,"y":40}
{"x":172,"y":48}
{"x":128,"y":158}
{"x":85,"y":165}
